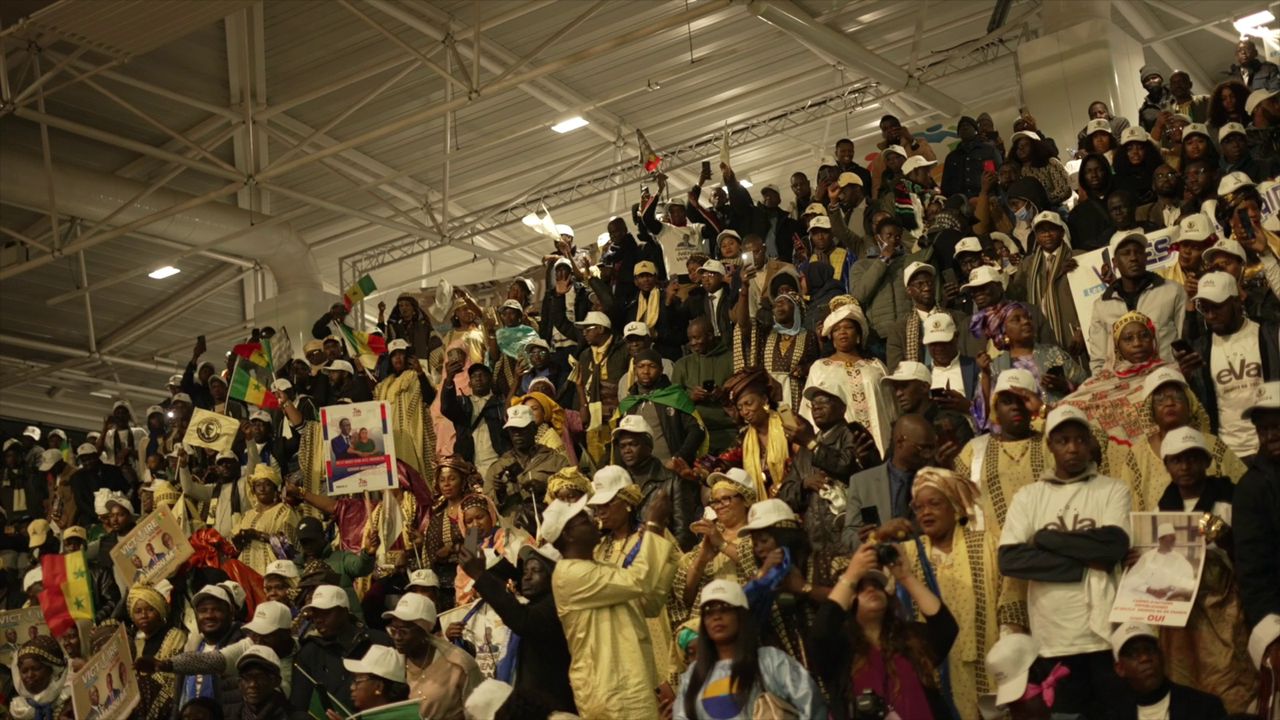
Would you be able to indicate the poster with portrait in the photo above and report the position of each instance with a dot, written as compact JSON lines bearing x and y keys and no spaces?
{"x":153,"y":550}
{"x":106,"y":688}
{"x":1087,"y":283}
{"x":359,"y":449}
{"x":1160,"y":588}
{"x":17,"y":627}
{"x":484,"y":630}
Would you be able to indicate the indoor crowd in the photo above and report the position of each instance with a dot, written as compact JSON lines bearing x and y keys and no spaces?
{"x":857,"y":450}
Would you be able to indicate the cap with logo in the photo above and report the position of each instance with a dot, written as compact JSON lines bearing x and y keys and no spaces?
{"x":770,"y":513}
{"x":634,"y":424}
{"x":1180,"y":440}
{"x":645,"y":267}
{"x":557,"y":515}
{"x":607,"y":483}
{"x":1134,"y":134}
{"x":1127,"y":632}
{"x":414,"y":608}
{"x":327,"y":597}
{"x":723,"y":591}
{"x":938,"y":328}
{"x":814,"y":209}
{"x":1231,"y":128}
{"x":595,"y":317}
{"x":635,"y":328}
{"x":519,"y":416}
{"x":1232,"y":182}
{"x":49,"y":458}
{"x":713,"y":266}
{"x":1225,"y":247}
{"x":339,"y":366}
{"x":259,"y":656}
{"x":1097,"y":125}
{"x":1265,"y":397}
{"x":269,"y":617}
{"x":968,"y":245}
{"x":1016,"y":380}
{"x":1064,"y":414}
{"x":915,"y":162}
{"x":916,"y":267}
{"x":1009,"y":662}
{"x":1123,"y":237}
{"x":1217,"y":287}
{"x":909,"y":371}
{"x":380,"y":660}
{"x":1162,"y":376}
{"x":847,"y":179}
{"x":984,"y":275}
{"x":1195,"y":228}
{"x":820,"y":222}
{"x":424,"y":578}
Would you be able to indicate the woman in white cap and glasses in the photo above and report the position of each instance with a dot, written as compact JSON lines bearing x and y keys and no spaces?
{"x":734,"y":676}
{"x":723,"y":551}
{"x":377,"y":679}
{"x":958,"y":563}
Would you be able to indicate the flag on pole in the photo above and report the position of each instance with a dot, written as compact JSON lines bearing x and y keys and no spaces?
{"x":279,"y":349}
{"x":211,"y":430}
{"x":648,"y":158}
{"x":254,"y":353}
{"x":251,"y":383}
{"x":361,"y":343}
{"x":68,"y":594}
{"x":362,"y":289}
{"x":724,"y":147}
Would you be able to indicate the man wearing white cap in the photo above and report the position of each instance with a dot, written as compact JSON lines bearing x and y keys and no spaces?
{"x":1064,"y":535}
{"x":269,"y":630}
{"x":1228,"y":366}
{"x":1139,"y":661}
{"x":633,"y":450}
{"x":215,"y":607}
{"x":318,"y":666}
{"x":639,"y":337}
{"x":517,"y":480}
{"x":601,"y":364}
{"x":1256,"y":509}
{"x":1162,"y":572}
{"x":259,"y":447}
{"x":1135,"y":288}
{"x":678,"y":237}
{"x":714,"y":299}
{"x":477,"y":417}
{"x":121,"y":441}
{"x":224,"y":482}
{"x":1259,"y":292}
{"x":903,"y":343}
{"x":1041,"y":279}
{"x":93,"y":475}
{"x":602,"y":609}
{"x":439,"y":674}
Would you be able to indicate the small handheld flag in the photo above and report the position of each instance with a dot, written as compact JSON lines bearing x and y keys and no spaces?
{"x":362,"y":289}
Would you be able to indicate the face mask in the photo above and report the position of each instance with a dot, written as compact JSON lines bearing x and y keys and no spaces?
{"x":1023,"y":215}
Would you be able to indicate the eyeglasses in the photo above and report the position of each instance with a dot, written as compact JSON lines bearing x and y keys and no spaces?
{"x":723,"y":500}
{"x":1170,"y":174}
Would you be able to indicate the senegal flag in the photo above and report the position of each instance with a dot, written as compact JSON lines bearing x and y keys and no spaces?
{"x":354,"y":294}
{"x":254,"y":353}
{"x":68,"y":593}
{"x":250,"y":381}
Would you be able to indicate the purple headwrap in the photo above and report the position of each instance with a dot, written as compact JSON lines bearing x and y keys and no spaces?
{"x":988,"y":323}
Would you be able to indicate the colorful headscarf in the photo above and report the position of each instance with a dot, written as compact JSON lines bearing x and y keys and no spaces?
{"x":567,"y":478}
{"x":149,"y":595}
{"x":797,"y":315}
{"x":631,"y":495}
{"x":748,"y":494}
{"x":1123,"y":367}
{"x":470,"y":476}
{"x":1128,"y":318}
{"x":43,"y":648}
{"x":551,"y":410}
{"x":956,"y":489}
{"x":476,"y":500}
{"x":989,"y":323}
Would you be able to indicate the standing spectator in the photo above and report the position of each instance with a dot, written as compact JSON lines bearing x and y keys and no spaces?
{"x":703,"y":372}
{"x":873,"y":282}
{"x":1070,"y":570}
{"x":1257,"y":524}
{"x":1227,"y":105}
{"x":1041,"y":280}
{"x":1135,"y":165}
{"x":882,"y":495}
{"x":1194,"y":107}
{"x":1089,"y":221}
{"x":904,"y":341}
{"x":845,"y":162}
{"x":1253,"y":72}
{"x":1158,"y":98}
{"x":893,"y":133}
{"x":1263,"y":109}
{"x":962,"y":170}
{"x":320,"y":673}
{"x":1136,"y":289}
{"x":1164,"y":210}
{"x":847,"y":211}
{"x":1236,"y":157}
{"x":1228,"y":367}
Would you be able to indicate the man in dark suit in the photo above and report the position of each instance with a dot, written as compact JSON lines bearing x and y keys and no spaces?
{"x":884,"y":491}
{"x":1139,"y":663}
{"x":953,"y":376}
{"x":904,"y":341}
{"x":715,"y":299}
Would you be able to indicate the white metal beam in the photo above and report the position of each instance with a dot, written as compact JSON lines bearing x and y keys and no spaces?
{"x":1146,"y":24}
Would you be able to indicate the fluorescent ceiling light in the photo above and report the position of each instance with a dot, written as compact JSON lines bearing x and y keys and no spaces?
{"x":164,"y":272}
{"x":745,"y":183}
{"x":570,"y":124}
{"x":102,"y":394}
{"x":1253,"y":24}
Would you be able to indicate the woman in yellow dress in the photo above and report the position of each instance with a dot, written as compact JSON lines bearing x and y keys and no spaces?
{"x":958,"y":564}
{"x":156,"y":639}
{"x":405,"y":388}
{"x":268,"y":518}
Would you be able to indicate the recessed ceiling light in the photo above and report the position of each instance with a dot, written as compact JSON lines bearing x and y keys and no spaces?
{"x":570,"y":124}
{"x":102,"y":394}
{"x":745,"y":183}
{"x":164,"y":272}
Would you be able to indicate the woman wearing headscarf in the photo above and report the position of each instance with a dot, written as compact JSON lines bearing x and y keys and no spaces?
{"x":1011,"y":328}
{"x":868,"y":404}
{"x":40,"y":681}
{"x":1041,"y":279}
{"x":410,"y":323}
{"x":724,"y":550}
{"x":958,"y":564}
{"x":567,"y":485}
{"x":409,"y":393}
{"x":508,"y":335}
{"x":268,"y":519}
{"x":478,"y":512}
{"x":446,"y":529}
{"x":154,"y":638}
{"x":764,"y":437}
{"x":549,"y":417}
{"x":778,"y":341}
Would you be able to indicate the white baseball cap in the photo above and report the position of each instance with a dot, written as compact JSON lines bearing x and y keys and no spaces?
{"x":728,"y":233}
{"x":916,"y":161}
{"x":635,"y":328}
{"x":1231,"y":128}
{"x":564,"y":230}
{"x":519,"y":416}
{"x":217,"y":592}
{"x":607,"y":483}
{"x":898,"y":149}
{"x":968,"y":245}
{"x":848,"y":178}
{"x":122,"y":501}
{"x":713,"y":266}
{"x":281,"y":384}
{"x":1195,"y":129}
{"x":1097,"y":125}
{"x":327,"y":597}
{"x":1015,"y":379}
{"x":1127,"y":632}
{"x":398,"y":344}
{"x":595,"y":317}
{"x":261,"y":416}
{"x":49,"y":458}
{"x":909,"y":371}
{"x":175,"y":379}
{"x":557,"y":515}
{"x":1009,"y":662}
{"x":342,"y":365}
{"x":768,"y":513}
{"x":151,"y":410}
{"x":380,"y":660}
{"x":179,"y":397}
{"x":86,"y":449}
{"x":32,"y":432}
{"x":424,"y":578}
{"x":938,"y":327}
{"x":916,"y":267}
{"x":1266,"y":397}
{"x":1255,"y":99}
{"x":1228,"y":247}
{"x":1232,"y":182}
{"x":1123,"y":236}
{"x":815,"y":209}
{"x":414,"y":608}
{"x":259,"y":654}
{"x":1051,"y":217}
{"x":1180,"y":440}
{"x":269,"y":617}
{"x":283,"y":568}
{"x":820,"y":222}
{"x":1217,"y":287}
{"x":1063,"y":414}
{"x":1162,"y":376}
{"x":725,"y":591}
{"x":1134,"y":133}
{"x":633,"y":424}
{"x":1195,"y":228}
{"x":33,"y":576}
{"x":737,"y":476}
{"x":984,"y":275}
{"x":487,"y":699}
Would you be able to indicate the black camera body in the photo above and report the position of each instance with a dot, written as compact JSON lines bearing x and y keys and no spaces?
{"x":886,"y":554}
{"x":867,"y":705}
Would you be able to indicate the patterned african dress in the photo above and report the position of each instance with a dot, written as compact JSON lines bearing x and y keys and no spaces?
{"x":158,"y":689}
{"x":277,"y":519}
{"x":780,"y":355}
{"x":868,"y":404}
{"x":621,"y":553}
{"x":968,"y":580}
{"x":1000,"y":468}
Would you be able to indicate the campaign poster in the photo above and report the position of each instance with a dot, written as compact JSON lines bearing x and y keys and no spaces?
{"x":18,"y":627}
{"x":359,"y":450}
{"x":484,"y":630}
{"x":1087,"y":283}
{"x":106,"y":688}
{"x":1161,"y":586}
{"x":153,"y":550}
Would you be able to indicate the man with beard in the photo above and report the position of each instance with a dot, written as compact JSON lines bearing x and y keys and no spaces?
{"x":223,"y":482}
{"x":542,"y":656}
{"x":1164,"y":211}
{"x":215,"y":610}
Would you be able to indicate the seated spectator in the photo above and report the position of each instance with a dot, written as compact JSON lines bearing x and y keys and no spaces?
{"x":1139,"y":662}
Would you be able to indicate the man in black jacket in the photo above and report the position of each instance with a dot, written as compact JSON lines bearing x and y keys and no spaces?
{"x":92,"y":475}
{"x":1256,"y":74}
{"x":542,"y":657}
{"x":1256,"y":516}
{"x":477,"y":418}
{"x":669,"y":407}
{"x":714,"y":299}
{"x":1140,"y":664}
{"x":318,"y":668}
{"x":962,"y":170}
{"x":633,"y":448}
